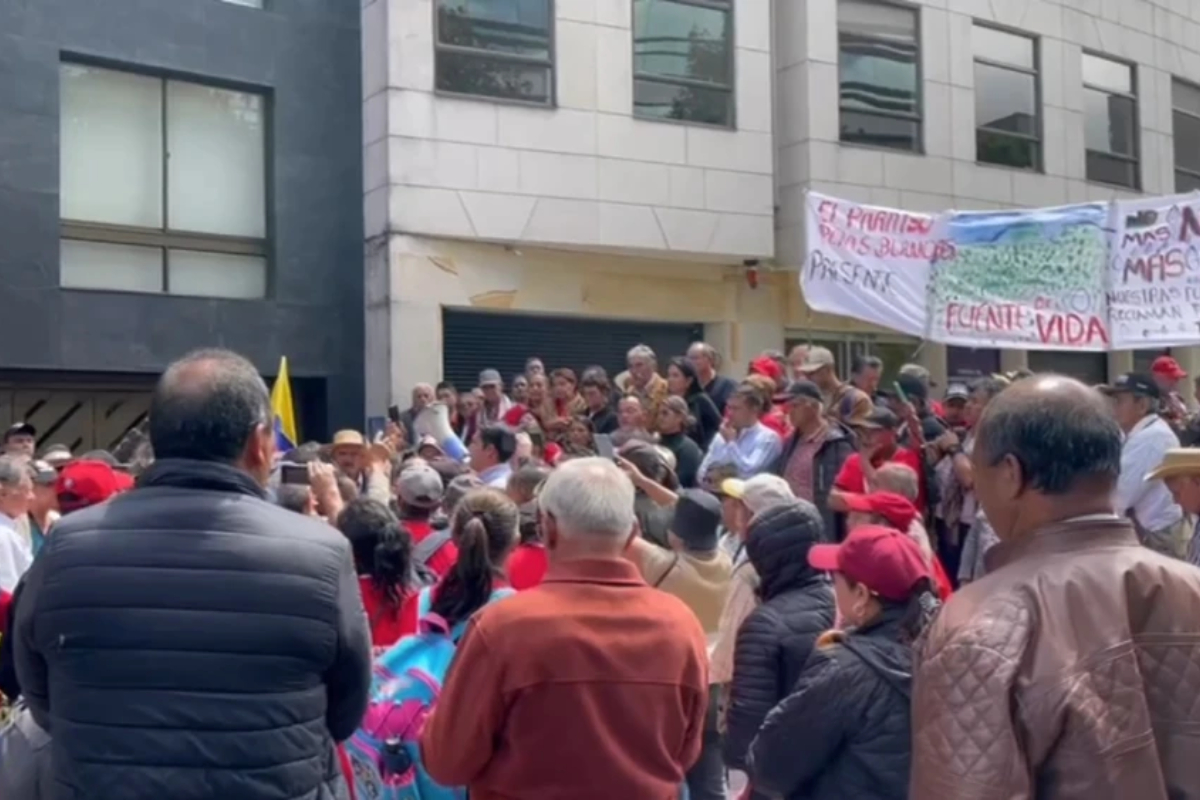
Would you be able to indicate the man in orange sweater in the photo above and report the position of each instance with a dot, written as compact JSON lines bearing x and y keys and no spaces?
{"x":591,"y":686}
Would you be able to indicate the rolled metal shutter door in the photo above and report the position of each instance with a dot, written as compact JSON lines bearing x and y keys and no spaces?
{"x":473,"y":341}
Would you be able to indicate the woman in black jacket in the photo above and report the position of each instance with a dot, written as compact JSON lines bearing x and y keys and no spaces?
{"x":683,"y":381}
{"x":775,"y":641}
{"x":843,"y":731}
{"x":674,"y":420}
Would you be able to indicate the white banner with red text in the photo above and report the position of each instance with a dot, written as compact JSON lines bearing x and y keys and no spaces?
{"x":1088,"y":277}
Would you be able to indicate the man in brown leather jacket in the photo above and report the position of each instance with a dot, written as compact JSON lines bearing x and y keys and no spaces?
{"x":1072,"y":669}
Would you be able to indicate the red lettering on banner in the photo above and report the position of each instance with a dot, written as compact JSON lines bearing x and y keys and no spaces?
{"x":1042,"y":303}
{"x":1070,"y":329}
{"x":827,"y":211}
{"x":1158,"y":267}
{"x":999,"y":318}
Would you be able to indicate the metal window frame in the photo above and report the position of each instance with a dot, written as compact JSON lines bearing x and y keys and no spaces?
{"x":1175,"y":109}
{"x":917,"y":117}
{"x":730,"y":89}
{"x":166,"y":239}
{"x":1038,"y":138}
{"x":1136,"y":157}
{"x":548,"y":63}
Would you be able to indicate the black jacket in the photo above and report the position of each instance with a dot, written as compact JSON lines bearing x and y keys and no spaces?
{"x":844,"y":730}
{"x":708,"y":418}
{"x":604,"y":421}
{"x":688,"y":457}
{"x":10,"y":685}
{"x":190,"y":640}
{"x":777,"y":638}
{"x":838,"y":446}
{"x":720,"y":389}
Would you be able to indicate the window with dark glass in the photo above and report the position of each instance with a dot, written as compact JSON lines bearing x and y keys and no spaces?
{"x":1008,"y":122}
{"x":496,"y":48}
{"x":1110,"y":121}
{"x":1185,"y":100}
{"x":683,"y":60}
{"x":879,"y":80}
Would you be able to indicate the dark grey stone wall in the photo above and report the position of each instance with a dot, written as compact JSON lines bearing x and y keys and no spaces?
{"x":306,"y":55}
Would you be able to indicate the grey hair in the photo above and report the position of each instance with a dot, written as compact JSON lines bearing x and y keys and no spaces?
{"x":589,"y":497}
{"x":13,"y":469}
{"x":898,"y":478}
{"x":641,"y":351}
{"x":1058,"y":439}
{"x":710,"y":352}
{"x":989,"y":387}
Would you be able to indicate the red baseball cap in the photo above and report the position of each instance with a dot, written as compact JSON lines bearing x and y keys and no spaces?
{"x":88,"y":483}
{"x":767,"y":366}
{"x":1168,"y":368}
{"x":897,"y":510}
{"x":885,"y":560}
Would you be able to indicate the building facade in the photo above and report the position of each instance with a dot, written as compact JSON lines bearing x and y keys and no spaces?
{"x":589,"y":169}
{"x":174,"y":176}
{"x":970,"y":104}
{"x":563,"y":178}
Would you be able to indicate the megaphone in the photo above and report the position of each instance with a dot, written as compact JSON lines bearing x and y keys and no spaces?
{"x":434,"y":420}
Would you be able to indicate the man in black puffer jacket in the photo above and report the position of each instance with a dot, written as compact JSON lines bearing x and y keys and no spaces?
{"x":189,"y":639}
{"x":843,"y":731}
{"x":777,"y":638}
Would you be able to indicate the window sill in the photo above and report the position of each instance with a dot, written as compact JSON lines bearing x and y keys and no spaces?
{"x":503,"y":101}
{"x":164,"y":295}
{"x":1107,"y":185}
{"x":879,"y":148}
{"x":687,"y":123}
{"x":1010,"y":167}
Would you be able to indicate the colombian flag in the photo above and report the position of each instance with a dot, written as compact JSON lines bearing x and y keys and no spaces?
{"x":286,"y":437}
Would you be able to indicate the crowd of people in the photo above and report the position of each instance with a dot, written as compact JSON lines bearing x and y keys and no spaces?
{"x":645,"y":586}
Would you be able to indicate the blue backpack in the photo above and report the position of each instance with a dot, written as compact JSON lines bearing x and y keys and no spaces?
{"x":384,"y":753}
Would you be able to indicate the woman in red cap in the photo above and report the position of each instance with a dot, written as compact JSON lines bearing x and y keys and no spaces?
{"x":844,"y":730}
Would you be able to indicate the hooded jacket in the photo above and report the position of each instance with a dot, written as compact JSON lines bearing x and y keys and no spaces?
{"x":776,"y":640}
{"x":844,"y":730}
{"x":189,"y":640}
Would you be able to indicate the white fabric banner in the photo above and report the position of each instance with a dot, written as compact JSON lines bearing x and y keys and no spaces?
{"x":869,"y":263}
{"x":1154,"y":272}
{"x":1032,"y":279}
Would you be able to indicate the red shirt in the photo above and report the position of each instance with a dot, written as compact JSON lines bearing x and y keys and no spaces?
{"x":527,"y":565}
{"x":384,"y":621}
{"x":446,"y":556}
{"x":851,"y":478}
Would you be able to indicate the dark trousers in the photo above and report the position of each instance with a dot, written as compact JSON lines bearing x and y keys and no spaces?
{"x":949,"y":546}
{"x":706,"y":778}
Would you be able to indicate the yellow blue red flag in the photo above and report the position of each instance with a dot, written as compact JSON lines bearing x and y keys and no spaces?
{"x":286,"y":435}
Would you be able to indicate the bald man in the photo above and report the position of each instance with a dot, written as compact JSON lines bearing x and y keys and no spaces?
{"x":189,"y":638}
{"x":1062,"y":671}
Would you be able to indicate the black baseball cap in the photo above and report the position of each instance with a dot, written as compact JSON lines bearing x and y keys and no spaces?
{"x":879,"y":418}
{"x":19,"y":428}
{"x":913,"y":387}
{"x":1133,"y":383}
{"x":802,"y":388}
